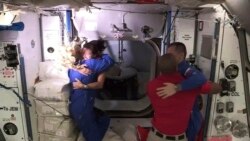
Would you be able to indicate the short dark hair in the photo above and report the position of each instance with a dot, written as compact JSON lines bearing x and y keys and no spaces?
{"x":179,"y":47}
{"x":96,"y":46}
{"x":167,"y":63}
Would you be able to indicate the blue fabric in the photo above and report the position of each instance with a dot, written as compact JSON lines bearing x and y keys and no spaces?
{"x":81,"y":106}
{"x":194,"y":79}
{"x":19,"y":26}
{"x":99,"y":65}
{"x":195,"y":122}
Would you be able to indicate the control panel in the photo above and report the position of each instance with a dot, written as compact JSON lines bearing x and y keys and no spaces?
{"x":8,"y":64}
{"x":226,"y":106}
{"x":222,"y":61}
{"x":12,"y":116}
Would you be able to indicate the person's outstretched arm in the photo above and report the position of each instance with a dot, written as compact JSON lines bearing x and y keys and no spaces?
{"x":211,"y":88}
{"x":95,"y":85}
{"x":194,"y":79}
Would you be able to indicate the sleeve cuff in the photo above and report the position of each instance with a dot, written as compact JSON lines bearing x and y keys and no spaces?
{"x":178,"y":88}
{"x":206,"y":88}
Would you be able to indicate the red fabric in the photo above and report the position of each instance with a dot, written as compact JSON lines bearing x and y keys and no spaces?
{"x":142,"y":133}
{"x":206,"y":87}
{"x":171,"y":115}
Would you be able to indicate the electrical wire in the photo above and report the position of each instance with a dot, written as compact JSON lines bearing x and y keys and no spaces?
{"x":126,"y":11}
{"x":63,"y":115}
{"x":171,"y":26}
{"x":11,"y":3}
{"x":27,"y":103}
{"x":43,"y":101}
{"x":88,"y":7}
{"x":225,"y":22}
{"x":139,"y":12}
{"x":216,"y":97}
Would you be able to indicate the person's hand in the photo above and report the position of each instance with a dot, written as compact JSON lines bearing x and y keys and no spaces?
{"x":78,"y":84}
{"x":168,"y":90}
{"x":83,"y":70}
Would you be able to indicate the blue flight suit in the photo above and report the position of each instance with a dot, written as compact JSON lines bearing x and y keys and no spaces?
{"x":194,"y":79}
{"x":81,"y":107}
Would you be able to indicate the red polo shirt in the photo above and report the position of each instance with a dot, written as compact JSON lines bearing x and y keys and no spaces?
{"x":171,"y":115}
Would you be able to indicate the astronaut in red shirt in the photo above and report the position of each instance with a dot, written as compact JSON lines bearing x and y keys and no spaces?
{"x":171,"y":115}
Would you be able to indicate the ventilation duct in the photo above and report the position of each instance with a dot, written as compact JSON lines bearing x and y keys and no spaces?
{"x":48,"y":3}
{"x":192,"y":3}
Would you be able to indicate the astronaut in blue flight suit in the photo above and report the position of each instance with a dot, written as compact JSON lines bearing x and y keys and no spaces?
{"x":194,"y":79}
{"x":84,"y":89}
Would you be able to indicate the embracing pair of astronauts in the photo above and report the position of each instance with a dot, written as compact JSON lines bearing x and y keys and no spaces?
{"x":174,"y":94}
{"x":85,"y":85}
{"x":84,"y":90}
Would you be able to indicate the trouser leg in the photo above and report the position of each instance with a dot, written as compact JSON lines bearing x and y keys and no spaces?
{"x":92,"y":127}
{"x":103,"y":121}
{"x":195,"y":123}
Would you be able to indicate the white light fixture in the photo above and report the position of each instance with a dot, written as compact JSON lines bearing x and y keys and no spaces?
{"x":135,"y":36}
{"x":208,"y":5}
{"x":6,"y":18}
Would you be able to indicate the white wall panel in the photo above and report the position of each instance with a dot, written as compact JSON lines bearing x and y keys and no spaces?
{"x":31,"y":54}
{"x":228,"y":52}
{"x":185,"y":33}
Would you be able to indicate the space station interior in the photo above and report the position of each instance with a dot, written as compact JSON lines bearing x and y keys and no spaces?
{"x":37,"y":37}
